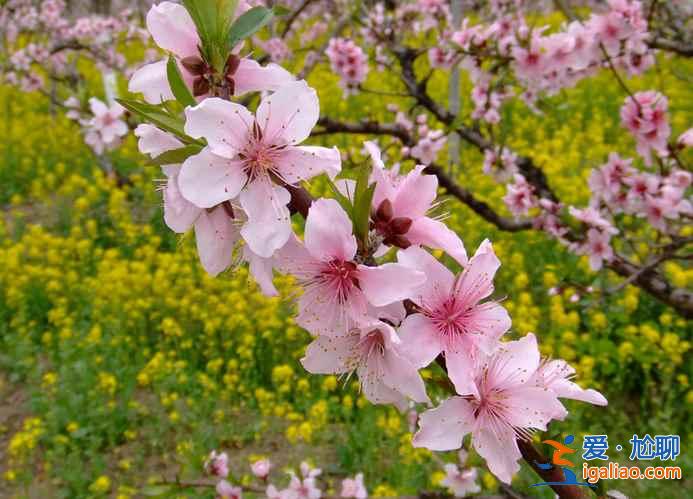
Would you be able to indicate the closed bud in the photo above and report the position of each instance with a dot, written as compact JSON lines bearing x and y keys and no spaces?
{"x":400,"y":225}
{"x":194,"y":65}
{"x":384,"y":211}
{"x":399,"y":241}
{"x":232,"y":64}
{"x":200,"y":86}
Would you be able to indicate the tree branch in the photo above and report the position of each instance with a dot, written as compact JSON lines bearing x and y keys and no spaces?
{"x":649,"y":280}
{"x":417,"y":89}
{"x":680,"y":48}
{"x":533,"y":456}
{"x":330,"y":126}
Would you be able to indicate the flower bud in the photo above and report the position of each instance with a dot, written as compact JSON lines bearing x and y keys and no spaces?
{"x":261,"y":468}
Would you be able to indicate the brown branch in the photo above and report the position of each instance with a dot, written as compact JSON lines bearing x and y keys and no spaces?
{"x":417,"y":89}
{"x":339,"y":27}
{"x":294,"y":15}
{"x":654,"y":283}
{"x":478,"y":206}
{"x":649,"y":280}
{"x":680,"y":48}
{"x":330,"y":126}
{"x":533,"y":456}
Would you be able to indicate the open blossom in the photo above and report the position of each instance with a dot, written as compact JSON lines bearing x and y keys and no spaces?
{"x":659,"y":210}
{"x":338,"y":292}
{"x":173,"y":30}
{"x":598,"y":248}
{"x":520,"y":196}
{"x":592,"y":217}
{"x":252,"y":157}
{"x":427,"y":148}
{"x":400,"y":204}
{"x":354,"y":487}
{"x":606,"y":182}
{"x":276,"y":48}
{"x":227,"y":491}
{"x":460,"y":483}
{"x":505,"y":405}
{"x":303,"y":486}
{"x":686,"y":138}
{"x":441,"y":58}
{"x":261,"y":468}
{"x":500,"y":164}
{"x":217,"y":234}
{"x":645,"y":116}
{"x":452,"y":317}
{"x":217,"y":464}
{"x":375,"y":353}
{"x":106,"y":128}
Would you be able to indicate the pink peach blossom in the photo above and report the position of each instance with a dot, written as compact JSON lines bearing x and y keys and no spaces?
{"x":354,"y":487}
{"x":556,"y":375}
{"x":338,"y":292}
{"x":261,"y":468}
{"x":227,"y":491}
{"x":375,"y":353}
{"x":217,"y":464}
{"x":174,"y":31}
{"x":451,"y":317}
{"x":402,"y":202}
{"x":460,"y":483}
{"x":505,"y":405}
{"x":252,"y":157}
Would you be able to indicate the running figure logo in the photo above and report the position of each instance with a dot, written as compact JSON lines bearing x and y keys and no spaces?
{"x":559,"y":461}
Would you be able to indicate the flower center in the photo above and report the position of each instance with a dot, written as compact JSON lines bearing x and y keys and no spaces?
{"x":449,"y":319}
{"x":341,"y":277}
{"x":259,"y":158}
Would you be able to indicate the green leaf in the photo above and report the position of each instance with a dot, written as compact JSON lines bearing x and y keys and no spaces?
{"x":155,"y":490}
{"x":202,"y":15}
{"x":363,"y":198}
{"x":213,"y":20}
{"x":280,"y":10}
{"x":248,"y":24}
{"x":176,"y":156}
{"x":178,"y":87}
{"x":343,"y":200}
{"x":226,"y":10}
{"x":159,"y":117}
{"x":362,"y":213}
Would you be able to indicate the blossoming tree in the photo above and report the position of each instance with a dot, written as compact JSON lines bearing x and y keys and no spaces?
{"x":378,"y":304}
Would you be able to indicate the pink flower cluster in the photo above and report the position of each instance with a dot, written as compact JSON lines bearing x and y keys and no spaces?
{"x":645,"y":116}
{"x":620,"y":188}
{"x":460,"y":482}
{"x":173,"y":30}
{"x":500,"y":163}
{"x":276,"y":48}
{"x":547,"y":63}
{"x":429,"y":141}
{"x":51,"y":34}
{"x":349,"y":61}
{"x":520,"y":197}
{"x":375,"y":300}
{"x":302,"y":485}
